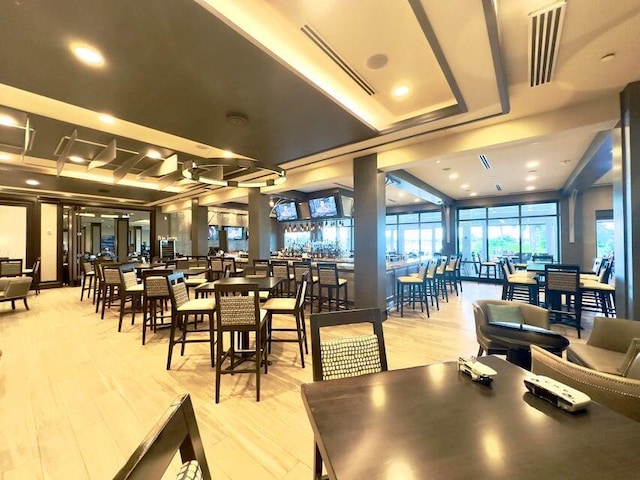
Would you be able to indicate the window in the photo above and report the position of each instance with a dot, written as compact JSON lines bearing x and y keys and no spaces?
{"x":414,"y":234}
{"x":605,"y":233}
{"x":515,"y":231}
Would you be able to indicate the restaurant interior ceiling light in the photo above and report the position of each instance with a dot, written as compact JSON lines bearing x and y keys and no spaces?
{"x":109,"y":215}
{"x":88,"y":55}
{"x":86,"y":214}
{"x":104,"y":118}
{"x":32,"y":182}
{"x":214,"y":171}
{"x":76,"y":159}
{"x":5,"y":156}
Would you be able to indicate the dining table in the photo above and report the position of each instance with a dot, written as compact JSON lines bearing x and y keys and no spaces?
{"x":434,"y":422}
{"x":265,"y":284}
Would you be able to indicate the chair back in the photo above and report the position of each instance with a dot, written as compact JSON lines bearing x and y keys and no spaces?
{"x":128,"y":277}
{"x":327,"y":274}
{"x":431,"y":269}
{"x":183,"y":264}
{"x":260,"y":262}
{"x":347,"y":356}
{"x":452,"y":262}
{"x":441,"y":267}
{"x":280,"y":268}
{"x":155,"y":283}
{"x":237,"y":306}
{"x":87,"y":267}
{"x":301,"y":292}
{"x":564,"y":279}
{"x":111,"y":274}
{"x":18,"y":288}
{"x":615,"y":392}
{"x":597,"y":264}
{"x":300,"y":269}
{"x":11,"y":267}
{"x":178,"y":290}
{"x":177,"y":430}
{"x":231,"y":263}
{"x":216,"y":266}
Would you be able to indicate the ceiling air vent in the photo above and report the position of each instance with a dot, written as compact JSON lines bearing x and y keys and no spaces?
{"x":498,"y":187}
{"x":331,"y":53}
{"x":485,"y":162}
{"x":545,"y":27}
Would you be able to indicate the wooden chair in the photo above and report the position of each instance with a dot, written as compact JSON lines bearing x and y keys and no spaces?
{"x":181,"y":309}
{"x":238,"y":313}
{"x":109,"y":285}
{"x":563,"y":295}
{"x":301,"y":268}
{"x":343,"y":357}
{"x":416,"y":286}
{"x":282,"y":269}
{"x":34,"y":273}
{"x":88,"y":279}
{"x":289,"y":306}
{"x":329,"y":280}
{"x":129,"y":291}
{"x":488,"y":266}
{"x":155,"y":297}
{"x":176,"y":431}
{"x":216,"y":268}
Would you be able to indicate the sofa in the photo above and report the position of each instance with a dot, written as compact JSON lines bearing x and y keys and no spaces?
{"x":15,"y":288}
{"x":612,"y":346}
{"x":485,"y":311}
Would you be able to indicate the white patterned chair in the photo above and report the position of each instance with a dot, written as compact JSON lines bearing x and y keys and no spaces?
{"x":340,"y":357}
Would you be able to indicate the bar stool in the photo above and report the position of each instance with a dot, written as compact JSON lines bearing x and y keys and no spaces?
{"x":87,"y":274}
{"x":417,"y":291}
{"x":282,"y":269}
{"x":328,"y":279}
{"x":129,"y":291}
{"x":301,"y":268}
{"x":155,"y":298}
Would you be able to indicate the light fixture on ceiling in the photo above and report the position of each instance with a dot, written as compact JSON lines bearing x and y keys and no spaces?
{"x":532,"y":164}
{"x":33,"y":183}
{"x":105,"y":118}
{"x":76,"y":159}
{"x":229,"y":172}
{"x":5,"y":156}
{"x":530,"y":187}
{"x":7,"y":120}
{"x":453,"y":176}
{"x":473,"y":194}
{"x":154,"y":154}
{"x":400,"y":91}
{"x":530,"y":178}
{"x":88,"y":55}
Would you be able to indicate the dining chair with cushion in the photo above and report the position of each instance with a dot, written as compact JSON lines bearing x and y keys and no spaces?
{"x":329,"y":281}
{"x":293,"y":307}
{"x":489,"y":267}
{"x":181,"y":309}
{"x":88,"y":279}
{"x":155,"y":298}
{"x":130,"y":291}
{"x":216,"y":268}
{"x":452,"y":273}
{"x":238,"y":313}
{"x":612,"y":391}
{"x":282,"y":269}
{"x":176,"y":432}
{"x":34,"y":273}
{"x":519,"y":285}
{"x":410,"y":288}
{"x":563,"y":294}
{"x":492,"y":310}
{"x":338,"y":356}
{"x":439,"y":278}
{"x":109,"y":285}
{"x":431,"y":284}
{"x":300,"y":268}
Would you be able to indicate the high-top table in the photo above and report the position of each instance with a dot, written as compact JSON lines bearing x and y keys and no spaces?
{"x":434,"y":422}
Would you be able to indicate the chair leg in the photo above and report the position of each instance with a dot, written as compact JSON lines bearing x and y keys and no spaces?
{"x":299,"y":331}
{"x":218,"y":364}
{"x":317,"y":463}
{"x":25,"y":303}
{"x":480,"y":351}
{"x":212,"y":342}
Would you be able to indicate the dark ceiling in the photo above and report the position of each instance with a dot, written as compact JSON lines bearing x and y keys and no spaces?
{"x":171,"y":66}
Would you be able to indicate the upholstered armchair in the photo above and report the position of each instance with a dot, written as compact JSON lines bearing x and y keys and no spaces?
{"x":488,"y":310}
{"x":615,"y":392}
{"x":611,"y":346}
{"x":15,"y":288}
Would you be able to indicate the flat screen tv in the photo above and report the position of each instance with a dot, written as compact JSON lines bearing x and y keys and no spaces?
{"x":234,"y":233}
{"x":213,"y":232}
{"x":286,"y":211}
{"x":323,"y":207}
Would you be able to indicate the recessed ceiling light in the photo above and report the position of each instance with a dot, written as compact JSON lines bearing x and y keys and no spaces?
{"x":76,"y":159}
{"x":104,"y":118}
{"x":532,"y":164}
{"x":438,"y":161}
{"x":400,"y":91}
{"x":32,"y":182}
{"x":473,"y":194}
{"x":453,"y":176}
{"x":5,"y":156}
{"x":88,"y":55}
{"x":401,"y":194}
{"x":608,"y":57}
{"x":530,"y":187}
{"x":564,"y":163}
{"x":416,"y":200}
{"x":227,"y":154}
{"x":7,"y":120}
{"x":464,"y":186}
{"x":153,"y":154}
{"x":530,"y":178}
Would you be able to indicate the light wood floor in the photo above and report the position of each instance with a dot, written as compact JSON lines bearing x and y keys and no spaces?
{"x":76,"y":396}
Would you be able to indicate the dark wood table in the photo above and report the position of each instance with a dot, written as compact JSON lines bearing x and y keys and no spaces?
{"x":432,"y":422}
{"x":518,"y":337}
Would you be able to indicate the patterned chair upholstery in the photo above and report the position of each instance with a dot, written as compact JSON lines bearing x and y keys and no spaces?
{"x":155,"y":297}
{"x":563,"y":294}
{"x":181,"y":309}
{"x":129,"y":291}
{"x":340,"y":357}
{"x":88,"y":277}
{"x":176,"y":431}
{"x":238,"y":313}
